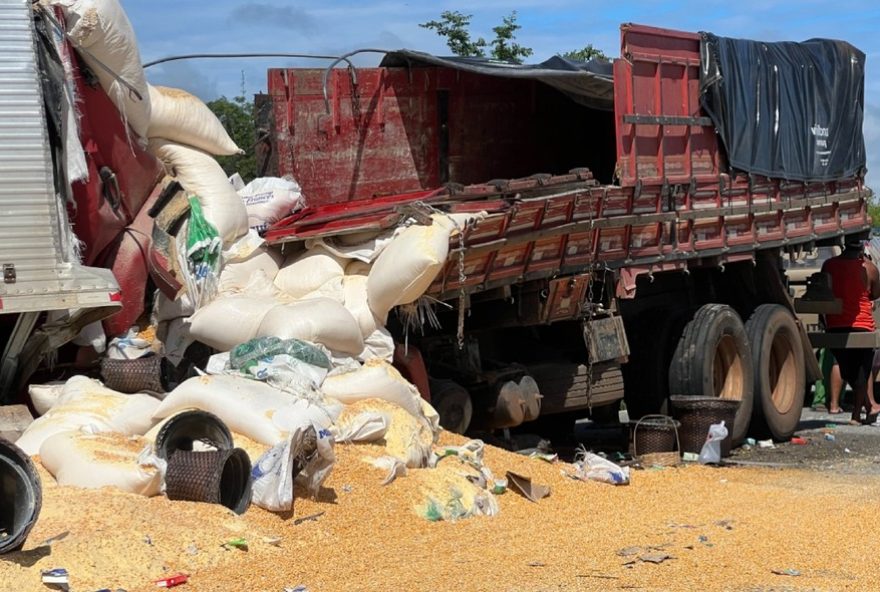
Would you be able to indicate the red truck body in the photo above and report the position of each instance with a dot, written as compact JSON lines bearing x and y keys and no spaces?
{"x":399,"y":134}
{"x":620,"y":213}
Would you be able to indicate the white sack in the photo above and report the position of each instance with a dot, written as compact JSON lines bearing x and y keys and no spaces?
{"x":367,"y":426}
{"x":355,"y":299}
{"x":269,"y":199}
{"x":250,"y":408}
{"x":407,"y":266}
{"x":238,"y":273}
{"x":102,"y":33}
{"x":364,"y":247}
{"x":92,"y":335}
{"x":378,"y":345}
{"x":199,"y":173}
{"x":86,"y":403}
{"x":230,"y":320}
{"x":320,"y":320}
{"x":167,"y":309}
{"x":181,"y":117}
{"x":92,"y":461}
{"x":378,"y":379}
{"x":44,"y":396}
{"x":307,"y":271}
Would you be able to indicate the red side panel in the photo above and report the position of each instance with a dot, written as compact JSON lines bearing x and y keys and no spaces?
{"x":128,"y":258}
{"x":401,"y":130}
{"x":103,"y":212}
{"x":662,"y":133}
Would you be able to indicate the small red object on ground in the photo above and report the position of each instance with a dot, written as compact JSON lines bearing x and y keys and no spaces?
{"x":172,"y":581}
{"x":798,"y":440}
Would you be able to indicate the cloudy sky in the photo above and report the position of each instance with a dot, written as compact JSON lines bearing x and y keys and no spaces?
{"x":333,"y":27}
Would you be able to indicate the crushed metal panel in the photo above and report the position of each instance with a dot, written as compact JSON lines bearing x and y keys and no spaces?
{"x":33,"y":223}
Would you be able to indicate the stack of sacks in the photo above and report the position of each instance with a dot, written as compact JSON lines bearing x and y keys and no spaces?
{"x":102,"y":34}
{"x":90,"y":436}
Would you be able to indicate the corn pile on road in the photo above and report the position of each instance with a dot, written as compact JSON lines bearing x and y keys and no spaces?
{"x":746,"y":529}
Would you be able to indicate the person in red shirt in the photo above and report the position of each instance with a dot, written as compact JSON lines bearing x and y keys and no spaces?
{"x":855,"y":280}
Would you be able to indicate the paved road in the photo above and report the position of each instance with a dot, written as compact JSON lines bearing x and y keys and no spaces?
{"x":853,"y":450}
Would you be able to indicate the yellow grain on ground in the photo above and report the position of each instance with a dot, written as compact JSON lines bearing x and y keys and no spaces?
{"x":725,"y":529}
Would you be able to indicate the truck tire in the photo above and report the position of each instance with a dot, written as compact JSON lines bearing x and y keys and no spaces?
{"x":646,"y":375}
{"x":453,"y":404}
{"x":713,"y":359}
{"x":780,"y":380}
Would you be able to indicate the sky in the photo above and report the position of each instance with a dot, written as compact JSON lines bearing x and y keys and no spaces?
{"x":333,"y":27}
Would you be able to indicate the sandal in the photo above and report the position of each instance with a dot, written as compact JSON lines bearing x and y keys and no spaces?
{"x":837,"y":411}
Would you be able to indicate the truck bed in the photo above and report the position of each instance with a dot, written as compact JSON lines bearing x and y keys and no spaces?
{"x":407,"y":141}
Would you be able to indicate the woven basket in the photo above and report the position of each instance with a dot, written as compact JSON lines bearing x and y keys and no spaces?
{"x":215,"y":477}
{"x":696,"y":414}
{"x":188,"y":427}
{"x":654,"y":434}
{"x":135,"y":376}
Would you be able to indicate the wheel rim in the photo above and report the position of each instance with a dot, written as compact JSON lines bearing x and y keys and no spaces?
{"x":727,"y":370}
{"x":782,"y":372}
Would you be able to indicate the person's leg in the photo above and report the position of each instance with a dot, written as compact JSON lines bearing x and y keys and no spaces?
{"x":836,"y":388}
{"x":820,"y":389}
{"x":851,"y":373}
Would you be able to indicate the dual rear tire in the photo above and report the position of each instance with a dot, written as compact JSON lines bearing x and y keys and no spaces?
{"x":760,"y":363}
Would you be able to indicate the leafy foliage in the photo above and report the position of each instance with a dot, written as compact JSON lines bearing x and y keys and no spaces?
{"x":503,"y":46}
{"x":237,"y":116}
{"x":454,"y":26}
{"x":584,"y":55}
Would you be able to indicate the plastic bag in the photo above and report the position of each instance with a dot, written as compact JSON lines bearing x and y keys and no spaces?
{"x":200,"y":256}
{"x":273,"y":474}
{"x":249,"y":353}
{"x":711,"y":451}
{"x":592,"y":467}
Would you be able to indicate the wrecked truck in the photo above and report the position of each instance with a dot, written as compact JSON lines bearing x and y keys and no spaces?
{"x":625,"y":223}
{"x":634,"y":217}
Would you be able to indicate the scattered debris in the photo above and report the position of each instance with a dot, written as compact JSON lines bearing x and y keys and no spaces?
{"x":148,"y":540}
{"x":830,"y":437}
{"x":52,"y":540}
{"x":536,"y":564}
{"x":311,"y":518}
{"x":191,"y":549}
{"x":172,"y":581}
{"x":239,"y":543}
{"x":847,"y":450}
{"x":299,"y":588}
{"x":655,"y":557}
{"x":347,"y":489}
{"x":690,"y":457}
{"x":629,"y":551}
{"x":725,"y":524}
{"x":274,"y":541}
{"x":798,"y":441}
{"x":785,"y":572}
{"x":525,"y":487}
{"x":766,"y":444}
{"x":705,"y":540}
{"x":58,"y":575}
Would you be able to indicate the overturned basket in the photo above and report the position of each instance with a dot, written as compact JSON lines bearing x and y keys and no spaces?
{"x":656,"y":441}
{"x":696,"y":414}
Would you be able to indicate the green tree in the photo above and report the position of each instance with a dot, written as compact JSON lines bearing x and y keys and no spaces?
{"x":503,"y":46}
{"x":584,"y":55}
{"x":455,"y":27}
{"x":237,"y":116}
{"x":874,"y":212}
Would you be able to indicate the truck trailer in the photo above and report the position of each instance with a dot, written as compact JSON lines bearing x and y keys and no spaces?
{"x":635,"y":216}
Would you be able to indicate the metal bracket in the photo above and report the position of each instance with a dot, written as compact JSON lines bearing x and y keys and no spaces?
{"x":9,"y":275}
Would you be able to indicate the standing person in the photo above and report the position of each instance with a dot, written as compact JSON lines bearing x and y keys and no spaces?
{"x":856,"y":282}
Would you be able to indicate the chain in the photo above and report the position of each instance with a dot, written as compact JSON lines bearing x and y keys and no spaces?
{"x":588,"y":324}
{"x":355,"y":101}
{"x":462,"y":276}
